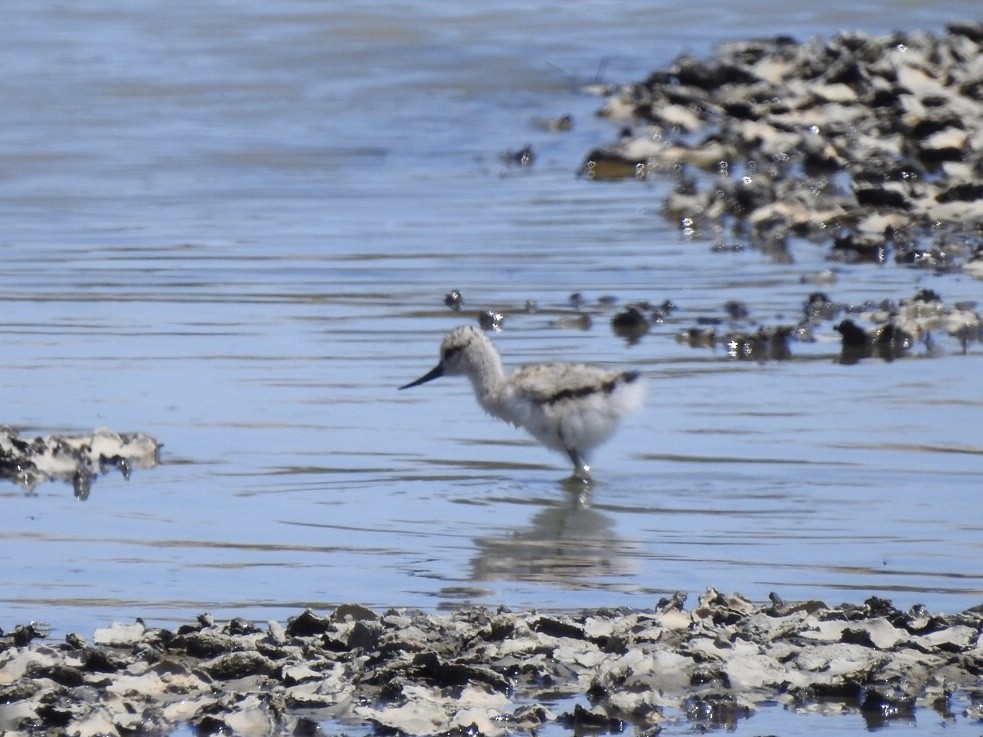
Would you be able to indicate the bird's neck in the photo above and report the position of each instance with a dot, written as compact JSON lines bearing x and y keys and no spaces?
{"x":489,"y":384}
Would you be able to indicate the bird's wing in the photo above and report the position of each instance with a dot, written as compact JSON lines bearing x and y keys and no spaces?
{"x":547,"y":383}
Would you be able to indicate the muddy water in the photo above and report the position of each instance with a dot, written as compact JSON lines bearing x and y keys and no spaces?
{"x":232,"y":227}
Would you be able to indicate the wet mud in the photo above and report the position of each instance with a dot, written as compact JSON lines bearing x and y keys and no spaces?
{"x":494,"y":671}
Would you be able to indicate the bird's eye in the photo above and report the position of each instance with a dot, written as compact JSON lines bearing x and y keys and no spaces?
{"x":451,"y":352}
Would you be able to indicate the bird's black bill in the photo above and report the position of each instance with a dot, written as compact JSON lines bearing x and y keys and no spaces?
{"x":434,"y":373}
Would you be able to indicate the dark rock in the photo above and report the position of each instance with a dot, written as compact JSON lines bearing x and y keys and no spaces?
{"x":23,"y":634}
{"x":854,"y":249}
{"x":308,"y":624}
{"x":431,"y":667}
{"x":238,"y":626}
{"x":962,"y":192}
{"x":239,"y":665}
{"x":365,"y":635}
{"x":354,"y":612}
{"x":558,"y":628}
{"x":631,"y":323}
{"x":581,"y":719}
{"x":99,"y":661}
{"x":764,"y":344}
{"x":857,"y":637}
{"x":454,"y":300}
{"x":852,"y":334}
{"x":64,"y":675}
{"x":720,"y":710}
{"x":523,"y":157}
{"x":879,"y":707}
{"x":972,"y":31}
{"x":603,"y":164}
{"x":846,"y":690}
{"x":204,"y":644}
{"x":736,"y":310}
{"x":819,"y":307}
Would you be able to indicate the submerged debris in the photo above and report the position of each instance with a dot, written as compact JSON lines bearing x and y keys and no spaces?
{"x":491,"y":320}
{"x":561,"y":124}
{"x":883,"y":330}
{"x":760,"y":345}
{"x":523,"y":157}
{"x":77,"y":459}
{"x":886,"y":341}
{"x":630,"y":323}
{"x":635,"y":320}
{"x":454,"y":300}
{"x":490,"y":672}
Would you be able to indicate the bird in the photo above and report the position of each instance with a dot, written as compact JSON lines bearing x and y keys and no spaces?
{"x":568,"y":407}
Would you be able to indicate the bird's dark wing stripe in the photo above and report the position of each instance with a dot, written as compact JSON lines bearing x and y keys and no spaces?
{"x":585,"y":391}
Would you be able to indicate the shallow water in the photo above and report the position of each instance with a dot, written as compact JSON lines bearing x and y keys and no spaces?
{"x":232,"y":227}
{"x":829,"y":719}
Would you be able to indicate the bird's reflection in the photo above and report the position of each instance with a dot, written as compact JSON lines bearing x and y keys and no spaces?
{"x":569,"y":543}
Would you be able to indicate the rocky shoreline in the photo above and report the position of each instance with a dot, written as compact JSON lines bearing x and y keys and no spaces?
{"x":492,"y":671}
{"x":868,"y":147}
{"x":75,"y":459}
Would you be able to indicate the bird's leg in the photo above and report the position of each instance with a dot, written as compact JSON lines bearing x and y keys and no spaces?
{"x":580,"y":469}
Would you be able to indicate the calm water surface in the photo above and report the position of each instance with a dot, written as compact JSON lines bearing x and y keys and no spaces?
{"x":231,"y":225}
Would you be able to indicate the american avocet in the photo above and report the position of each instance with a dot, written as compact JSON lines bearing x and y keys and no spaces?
{"x":570,"y":407}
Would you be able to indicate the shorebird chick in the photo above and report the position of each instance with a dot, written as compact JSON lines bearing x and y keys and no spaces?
{"x":569,"y":407}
